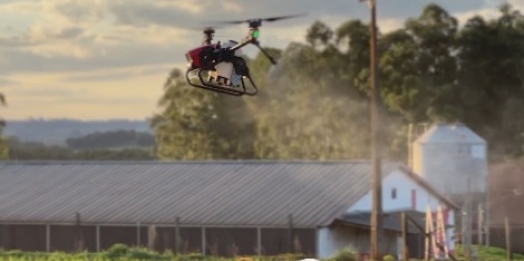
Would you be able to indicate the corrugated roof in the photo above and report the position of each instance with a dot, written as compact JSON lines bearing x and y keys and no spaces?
{"x":450,"y":133}
{"x":234,"y":193}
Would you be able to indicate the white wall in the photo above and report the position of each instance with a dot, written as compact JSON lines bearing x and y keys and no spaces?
{"x":404,"y":188}
{"x":331,"y":240}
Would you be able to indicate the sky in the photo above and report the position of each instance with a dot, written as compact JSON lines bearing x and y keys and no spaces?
{"x":108,"y":59}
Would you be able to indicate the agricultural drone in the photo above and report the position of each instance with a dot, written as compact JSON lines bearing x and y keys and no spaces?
{"x":220,"y":67}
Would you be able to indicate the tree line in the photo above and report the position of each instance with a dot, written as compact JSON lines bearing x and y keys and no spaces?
{"x":315,"y":103}
{"x":115,"y":145}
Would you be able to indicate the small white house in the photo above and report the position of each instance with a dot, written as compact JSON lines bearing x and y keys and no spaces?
{"x":402,"y":191}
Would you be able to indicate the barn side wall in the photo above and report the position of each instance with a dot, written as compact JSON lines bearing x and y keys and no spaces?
{"x":219,"y":241}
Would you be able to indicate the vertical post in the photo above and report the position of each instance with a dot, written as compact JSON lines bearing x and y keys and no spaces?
{"x":177,"y":235}
{"x":376,"y":175}
{"x":259,"y":242}
{"x":97,"y":238}
{"x":487,"y":222}
{"x":79,"y":237}
{"x":410,"y":148}
{"x":404,"y":223}
{"x":469,"y":220}
{"x":290,"y":234}
{"x":480,"y":226}
{"x":48,"y":238}
{"x":151,"y":237}
{"x":204,"y":241}
{"x":509,"y":255}
{"x":463,"y":229}
{"x":138,"y":236}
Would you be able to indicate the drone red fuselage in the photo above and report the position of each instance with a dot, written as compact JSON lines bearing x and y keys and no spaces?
{"x":197,"y":57}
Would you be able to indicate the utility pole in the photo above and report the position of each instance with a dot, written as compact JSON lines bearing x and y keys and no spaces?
{"x":376,"y":168}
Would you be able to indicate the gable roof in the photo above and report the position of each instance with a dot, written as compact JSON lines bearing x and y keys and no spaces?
{"x":209,"y":193}
{"x":425,"y":184}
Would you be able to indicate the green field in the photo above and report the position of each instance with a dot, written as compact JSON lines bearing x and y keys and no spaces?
{"x":123,"y":253}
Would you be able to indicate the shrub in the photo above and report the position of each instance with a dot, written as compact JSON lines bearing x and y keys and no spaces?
{"x":389,"y":258}
{"x":346,"y":254}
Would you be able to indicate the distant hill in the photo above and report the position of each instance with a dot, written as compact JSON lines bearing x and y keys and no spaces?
{"x":56,"y":132}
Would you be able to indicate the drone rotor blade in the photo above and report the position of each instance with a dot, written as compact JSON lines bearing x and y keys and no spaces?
{"x":202,"y":28}
{"x":272,"y":19}
{"x":268,"y":19}
{"x":234,"y":22}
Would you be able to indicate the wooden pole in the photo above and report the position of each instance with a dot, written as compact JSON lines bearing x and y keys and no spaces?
{"x":376,"y":169}
{"x":79,"y":238}
{"x":410,"y":146}
{"x":480,"y":227}
{"x":177,"y":235}
{"x":290,"y":234}
{"x":48,"y":238}
{"x":138,"y":243}
{"x":405,"y":251}
{"x":509,"y":255}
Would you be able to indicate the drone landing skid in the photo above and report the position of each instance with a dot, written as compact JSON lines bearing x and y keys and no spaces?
{"x":224,"y":89}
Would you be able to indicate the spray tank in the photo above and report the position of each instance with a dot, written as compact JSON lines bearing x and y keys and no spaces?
{"x":225,"y":69}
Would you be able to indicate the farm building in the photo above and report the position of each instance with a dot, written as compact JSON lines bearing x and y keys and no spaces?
{"x":213,"y":207}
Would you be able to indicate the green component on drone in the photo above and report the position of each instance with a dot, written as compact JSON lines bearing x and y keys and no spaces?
{"x":255,"y":33}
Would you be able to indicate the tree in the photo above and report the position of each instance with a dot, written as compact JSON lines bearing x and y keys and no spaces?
{"x":490,"y":55}
{"x":19,"y":150}
{"x":198,"y":124}
{"x":311,"y":112}
{"x":434,"y":31}
{"x":4,"y":149}
{"x":111,"y":139}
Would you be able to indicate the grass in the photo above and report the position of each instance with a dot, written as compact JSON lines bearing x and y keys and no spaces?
{"x":121,"y":252}
{"x":488,"y":253}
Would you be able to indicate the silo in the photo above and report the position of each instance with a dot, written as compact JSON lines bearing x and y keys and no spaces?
{"x":452,"y":158}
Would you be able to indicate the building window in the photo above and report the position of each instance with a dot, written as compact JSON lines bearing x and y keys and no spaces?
{"x":394,"y":193}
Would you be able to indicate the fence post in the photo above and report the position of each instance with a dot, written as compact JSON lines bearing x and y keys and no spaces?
{"x":203,"y":240}
{"x":509,"y":255}
{"x":259,"y":242}
{"x":404,"y":224}
{"x":79,"y":238}
{"x":138,"y":236}
{"x":97,"y":238}
{"x":177,"y":235}
{"x":151,"y":237}
{"x":290,"y":234}
{"x":48,"y":238}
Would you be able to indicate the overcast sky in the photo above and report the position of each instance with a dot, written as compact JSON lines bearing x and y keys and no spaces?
{"x":100,"y":59}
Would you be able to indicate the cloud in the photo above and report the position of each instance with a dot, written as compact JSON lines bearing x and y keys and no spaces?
{"x":71,"y":35}
{"x":111,"y":57}
{"x":118,"y":74}
{"x":5,"y":81}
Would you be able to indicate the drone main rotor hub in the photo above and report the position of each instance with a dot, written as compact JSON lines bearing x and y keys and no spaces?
{"x":255,"y":23}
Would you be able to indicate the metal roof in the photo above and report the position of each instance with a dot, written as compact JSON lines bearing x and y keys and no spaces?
{"x":450,"y":133}
{"x":218,"y":193}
